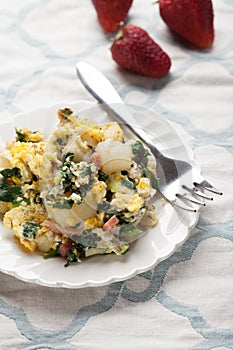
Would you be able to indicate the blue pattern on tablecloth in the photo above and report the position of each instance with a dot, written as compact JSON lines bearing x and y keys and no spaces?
{"x":212,"y":337}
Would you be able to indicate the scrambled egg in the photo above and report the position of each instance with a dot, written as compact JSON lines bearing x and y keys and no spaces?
{"x":144,"y":187}
{"x":95,"y":221}
{"x":93,"y":136}
{"x":15,"y":219}
{"x":26,"y":153}
{"x":4,"y":207}
{"x":27,"y":157}
{"x":99,"y":189}
{"x":131,"y":202}
{"x":77,"y":185}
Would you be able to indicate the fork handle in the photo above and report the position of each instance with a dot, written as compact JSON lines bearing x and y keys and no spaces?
{"x":104,"y":92}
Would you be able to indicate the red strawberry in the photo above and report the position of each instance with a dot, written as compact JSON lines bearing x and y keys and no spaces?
{"x":136,"y":51}
{"x":192,"y":19}
{"x":111,"y":13}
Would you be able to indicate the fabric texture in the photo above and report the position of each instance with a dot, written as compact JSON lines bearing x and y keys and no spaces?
{"x":185,"y":302}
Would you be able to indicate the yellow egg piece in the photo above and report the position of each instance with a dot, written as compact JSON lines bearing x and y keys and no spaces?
{"x":135,"y":203}
{"x":92,"y":136}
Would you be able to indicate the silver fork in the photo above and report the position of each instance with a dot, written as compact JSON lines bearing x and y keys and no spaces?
{"x":178,"y":181}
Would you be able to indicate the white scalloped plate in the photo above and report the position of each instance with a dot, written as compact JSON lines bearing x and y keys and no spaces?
{"x":156,"y":245}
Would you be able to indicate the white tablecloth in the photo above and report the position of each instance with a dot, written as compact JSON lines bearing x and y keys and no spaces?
{"x":185,"y":302}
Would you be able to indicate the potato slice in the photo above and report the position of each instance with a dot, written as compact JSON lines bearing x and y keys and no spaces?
{"x":115,"y":156}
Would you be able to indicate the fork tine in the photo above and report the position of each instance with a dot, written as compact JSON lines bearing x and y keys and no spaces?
{"x":202,"y":195}
{"x":184,"y":206}
{"x":190,"y":199}
{"x":207,"y":186}
{"x":198,"y":193}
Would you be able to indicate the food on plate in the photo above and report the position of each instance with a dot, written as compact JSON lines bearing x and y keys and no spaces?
{"x":134,"y":50}
{"x":111,"y":14}
{"x":192,"y":20}
{"x":85,"y":190}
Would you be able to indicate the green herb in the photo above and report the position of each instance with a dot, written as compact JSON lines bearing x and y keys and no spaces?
{"x":124,"y":249}
{"x":65,"y":112}
{"x":88,"y":239}
{"x":7,"y":173}
{"x":109,"y":214}
{"x":30,"y":229}
{"x":68,"y":157}
{"x":84,"y":188}
{"x":73,"y":254}
{"x":9,"y":193}
{"x":66,"y":169}
{"x":52,"y":252}
{"x":81,"y":191}
{"x":119,"y":215}
{"x":129,"y":230}
{"x":86,"y":171}
{"x":17,"y":203}
{"x":128,"y":184}
{"x":62,"y":203}
{"x":102,"y":176}
{"x":153,"y":180}
{"x":20,"y":136}
{"x":140,"y":153}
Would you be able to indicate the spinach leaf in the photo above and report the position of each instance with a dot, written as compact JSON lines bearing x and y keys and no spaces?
{"x":128,"y":230}
{"x":30,"y":229}
{"x":73,"y":254}
{"x":128,"y":184}
{"x":9,"y":193}
{"x":119,"y":215}
{"x":5,"y":195}
{"x":18,"y":202}
{"x":69,"y":157}
{"x":109,"y":214}
{"x":23,"y":138}
{"x":52,"y":252}
{"x":102,"y":176}
{"x":140,"y":153}
{"x":7,"y":173}
{"x":86,"y":171}
{"x":153,"y":180}
{"x":88,"y":239}
{"x":20,"y":136}
{"x":66,"y":169}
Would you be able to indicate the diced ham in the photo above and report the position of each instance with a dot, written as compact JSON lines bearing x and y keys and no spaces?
{"x":65,"y":247}
{"x":96,"y":160}
{"x":111,"y":223}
